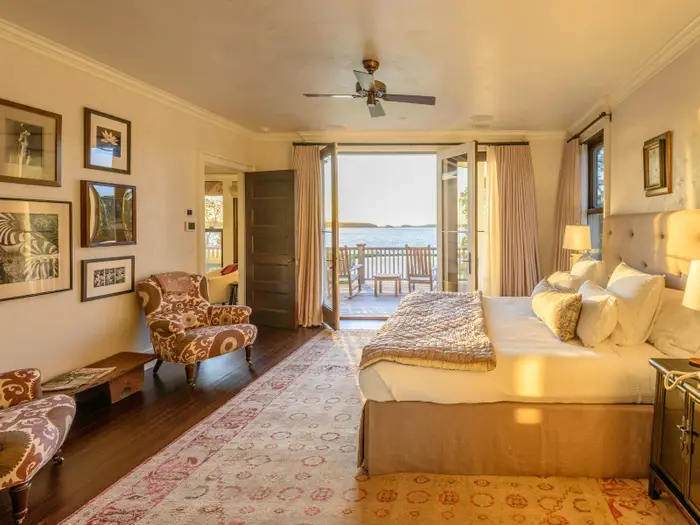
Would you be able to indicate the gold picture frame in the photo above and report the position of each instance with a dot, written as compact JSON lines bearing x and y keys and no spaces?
{"x":657,"y":165}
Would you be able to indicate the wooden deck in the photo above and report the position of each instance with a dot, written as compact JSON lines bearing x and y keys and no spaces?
{"x":367,"y":305}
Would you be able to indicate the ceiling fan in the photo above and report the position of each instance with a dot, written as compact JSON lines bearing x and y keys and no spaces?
{"x":375,"y":91}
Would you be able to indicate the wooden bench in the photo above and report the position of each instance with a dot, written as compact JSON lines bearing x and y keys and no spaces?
{"x":381,"y":277}
{"x":124,"y":380}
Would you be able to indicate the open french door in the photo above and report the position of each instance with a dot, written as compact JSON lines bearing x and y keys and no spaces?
{"x":329,"y":211}
{"x":457,"y":218}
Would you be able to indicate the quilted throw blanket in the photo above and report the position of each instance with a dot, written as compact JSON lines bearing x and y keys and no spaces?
{"x":436,"y":330}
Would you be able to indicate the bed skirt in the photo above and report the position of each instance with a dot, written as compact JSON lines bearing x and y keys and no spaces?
{"x":507,"y":439}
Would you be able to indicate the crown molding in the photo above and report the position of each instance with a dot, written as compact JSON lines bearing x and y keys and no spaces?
{"x":669,"y":52}
{"x":26,"y":39}
{"x":409,"y":136}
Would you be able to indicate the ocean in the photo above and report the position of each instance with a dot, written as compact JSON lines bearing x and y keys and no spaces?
{"x":388,"y":237}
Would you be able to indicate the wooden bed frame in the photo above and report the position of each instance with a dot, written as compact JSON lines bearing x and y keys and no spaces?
{"x":535,"y":439}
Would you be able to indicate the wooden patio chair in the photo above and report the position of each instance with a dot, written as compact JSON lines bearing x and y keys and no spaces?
{"x":420,"y":268}
{"x":348,"y":273}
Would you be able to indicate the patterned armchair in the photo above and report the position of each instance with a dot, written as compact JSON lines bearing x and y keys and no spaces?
{"x":186,"y":328}
{"x":32,"y":430}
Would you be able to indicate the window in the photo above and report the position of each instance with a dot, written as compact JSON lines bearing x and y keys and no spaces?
{"x":596,"y":192}
{"x":214,"y":231}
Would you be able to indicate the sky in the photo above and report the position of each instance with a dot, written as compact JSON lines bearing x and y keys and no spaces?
{"x":387,"y":189}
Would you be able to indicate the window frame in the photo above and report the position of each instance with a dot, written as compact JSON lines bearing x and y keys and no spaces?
{"x":594,"y":144}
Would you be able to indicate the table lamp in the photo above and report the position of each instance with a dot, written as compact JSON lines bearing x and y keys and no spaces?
{"x":577,"y":239}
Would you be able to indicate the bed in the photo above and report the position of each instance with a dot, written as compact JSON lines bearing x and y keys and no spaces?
{"x":548,"y":408}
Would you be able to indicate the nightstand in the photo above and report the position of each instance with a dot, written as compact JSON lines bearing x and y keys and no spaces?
{"x":674,"y":466}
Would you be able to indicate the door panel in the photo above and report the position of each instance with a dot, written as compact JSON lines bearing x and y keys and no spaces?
{"x":329,"y":206}
{"x":671,"y":459}
{"x":457,"y":218}
{"x":271,"y":276}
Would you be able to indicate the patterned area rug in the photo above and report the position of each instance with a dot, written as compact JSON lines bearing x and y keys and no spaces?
{"x":284,"y":450}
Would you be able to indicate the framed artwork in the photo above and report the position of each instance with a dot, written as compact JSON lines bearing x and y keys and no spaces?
{"x":657,"y":165}
{"x":30,"y":145}
{"x":107,"y":214}
{"x":36,"y":249}
{"x":107,"y":142}
{"x":107,"y":277}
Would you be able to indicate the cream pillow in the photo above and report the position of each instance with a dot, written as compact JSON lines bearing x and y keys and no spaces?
{"x":676,"y":331}
{"x":589,"y":269}
{"x":598,"y":314}
{"x":639,"y":296}
{"x":565,"y":282}
{"x":558,"y":310}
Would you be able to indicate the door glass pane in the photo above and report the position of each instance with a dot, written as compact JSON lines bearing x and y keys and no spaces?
{"x":214,"y":254}
{"x":455,"y":224}
{"x":327,"y":169}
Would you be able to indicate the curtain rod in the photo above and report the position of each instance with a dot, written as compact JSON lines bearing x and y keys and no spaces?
{"x":392,"y":144}
{"x":602,"y":115}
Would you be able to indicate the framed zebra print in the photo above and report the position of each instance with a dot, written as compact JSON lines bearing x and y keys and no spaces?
{"x":107,"y":277}
{"x":36,"y":247}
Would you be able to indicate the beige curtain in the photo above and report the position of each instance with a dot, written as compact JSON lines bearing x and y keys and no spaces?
{"x":307,"y":163}
{"x":520,"y":258}
{"x":568,"y":202}
{"x":490,"y":254}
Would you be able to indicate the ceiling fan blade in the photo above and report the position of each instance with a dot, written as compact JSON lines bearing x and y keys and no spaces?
{"x":411,"y":99}
{"x":329,"y":95}
{"x":377,"y":110}
{"x":366,"y":80}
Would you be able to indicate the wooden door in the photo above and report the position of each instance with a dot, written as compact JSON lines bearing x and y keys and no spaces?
{"x":329,"y":227}
{"x":271,"y":274}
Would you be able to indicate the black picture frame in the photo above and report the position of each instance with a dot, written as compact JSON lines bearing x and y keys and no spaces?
{"x":85,"y":274}
{"x":68,"y":242}
{"x":88,"y":140}
{"x":56,"y":181}
{"x":86,"y":212}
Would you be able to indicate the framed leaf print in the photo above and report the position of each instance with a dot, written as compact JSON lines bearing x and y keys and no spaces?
{"x":657,"y":165}
{"x":108,"y":214}
{"x":36,"y":249}
{"x":107,"y":277}
{"x":30,"y":145}
{"x":107,"y":142}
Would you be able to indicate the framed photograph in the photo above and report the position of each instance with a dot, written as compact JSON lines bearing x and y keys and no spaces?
{"x":107,"y":142}
{"x":657,"y":165}
{"x":107,"y":214}
{"x":30,"y":145}
{"x":36,"y":249}
{"x":107,"y":277}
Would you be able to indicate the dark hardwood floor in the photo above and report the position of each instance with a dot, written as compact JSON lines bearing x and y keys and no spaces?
{"x":107,"y":441}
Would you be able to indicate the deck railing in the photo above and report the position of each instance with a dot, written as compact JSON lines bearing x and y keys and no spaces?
{"x":380,"y":259}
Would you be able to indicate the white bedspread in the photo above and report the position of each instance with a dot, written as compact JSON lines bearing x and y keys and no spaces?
{"x":532,"y":366}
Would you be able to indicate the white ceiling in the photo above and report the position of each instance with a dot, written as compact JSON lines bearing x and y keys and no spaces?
{"x":537,"y":64}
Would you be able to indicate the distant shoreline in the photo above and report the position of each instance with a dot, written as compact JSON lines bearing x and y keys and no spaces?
{"x":371,"y":225}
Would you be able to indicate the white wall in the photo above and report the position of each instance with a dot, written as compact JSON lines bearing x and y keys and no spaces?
{"x":57,"y":332}
{"x":668,"y":101}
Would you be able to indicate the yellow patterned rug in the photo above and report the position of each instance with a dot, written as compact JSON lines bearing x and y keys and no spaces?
{"x":283,"y":451}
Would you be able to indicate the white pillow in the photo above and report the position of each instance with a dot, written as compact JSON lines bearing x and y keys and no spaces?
{"x":639,"y":297}
{"x":565,"y":282}
{"x":598,"y":314}
{"x":676,"y":331}
{"x":589,"y":269}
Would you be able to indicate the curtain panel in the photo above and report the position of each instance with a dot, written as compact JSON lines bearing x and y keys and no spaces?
{"x":307,"y":164}
{"x":520,"y":256}
{"x":568,"y":209}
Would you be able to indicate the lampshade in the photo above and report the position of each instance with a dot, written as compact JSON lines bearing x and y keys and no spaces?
{"x":577,"y":237}
{"x":691,"y":298}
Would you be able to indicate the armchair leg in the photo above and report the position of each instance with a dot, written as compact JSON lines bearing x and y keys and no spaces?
{"x":157,"y":367}
{"x":191,"y":371}
{"x":19,"y":495}
{"x":58,"y":458}
{"x":248,"y":354}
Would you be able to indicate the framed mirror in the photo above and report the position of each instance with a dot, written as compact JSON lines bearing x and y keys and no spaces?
{"x":108,"y":214}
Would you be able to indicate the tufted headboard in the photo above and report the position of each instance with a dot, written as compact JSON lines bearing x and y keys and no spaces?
{"x":659,"y":243}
